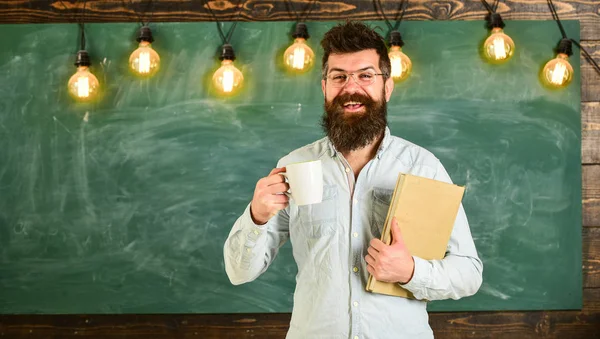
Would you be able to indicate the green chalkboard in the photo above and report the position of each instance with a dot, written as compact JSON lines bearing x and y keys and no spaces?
{"x":123,"y":206}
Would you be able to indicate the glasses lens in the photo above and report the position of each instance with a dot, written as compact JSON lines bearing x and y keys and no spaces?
{"x":338,"y":79}
{"x":366,"y":77}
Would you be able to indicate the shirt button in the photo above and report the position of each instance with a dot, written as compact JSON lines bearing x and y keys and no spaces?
{"x":355,"y":269}
{"x":355,"y":303}
{"x":355,"y":201}
{"x":256,"y":232}
{"x":347,"y":170}
{"x":355,"y":337}
{"x":355,"y":234}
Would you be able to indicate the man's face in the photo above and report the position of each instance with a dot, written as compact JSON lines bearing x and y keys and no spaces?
{"x":351,"y":63}
{"x":355,"y":114}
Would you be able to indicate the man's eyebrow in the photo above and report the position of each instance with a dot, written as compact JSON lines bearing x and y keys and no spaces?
{"x":358,"y":70}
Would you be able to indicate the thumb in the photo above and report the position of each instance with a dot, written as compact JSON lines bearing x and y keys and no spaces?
{"x":396,"y":233}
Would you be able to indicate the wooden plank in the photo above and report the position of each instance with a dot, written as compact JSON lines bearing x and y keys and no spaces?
{"x":454,"y":325}
{"x":590,"y":77}
{"x":591,"y":195}
{"x":591,"y":257}
{"x":522,"y":325}
{"x":43,"y":11}
{"x":590,"y":134}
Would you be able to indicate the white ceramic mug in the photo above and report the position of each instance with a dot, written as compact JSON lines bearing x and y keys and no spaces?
{"x":306,"y":182}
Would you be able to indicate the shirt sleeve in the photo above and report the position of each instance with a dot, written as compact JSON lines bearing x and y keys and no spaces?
{"x":459,"y":274}
{"x":250,"y":248}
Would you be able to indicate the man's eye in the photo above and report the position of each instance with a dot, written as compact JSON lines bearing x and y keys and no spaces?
{"x":366,"y":76}
{"x":339,"y":77}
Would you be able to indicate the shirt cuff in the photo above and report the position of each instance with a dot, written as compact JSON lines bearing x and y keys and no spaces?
{"x":254,"y":230}
{"x":421,"y":276}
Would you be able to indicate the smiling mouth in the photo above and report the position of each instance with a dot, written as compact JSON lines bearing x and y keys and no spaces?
{"x":353,"y":106}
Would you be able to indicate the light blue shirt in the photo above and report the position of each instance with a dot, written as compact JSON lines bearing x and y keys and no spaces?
{"x":330,"y":241}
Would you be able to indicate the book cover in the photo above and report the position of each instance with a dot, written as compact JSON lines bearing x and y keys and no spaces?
{"x":425,"y":210}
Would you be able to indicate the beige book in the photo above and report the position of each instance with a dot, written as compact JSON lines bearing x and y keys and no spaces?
{"x":426,"y":210}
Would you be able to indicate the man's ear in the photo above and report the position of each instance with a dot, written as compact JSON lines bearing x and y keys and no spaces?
{"x":323,"y":88}
{"x":389,"y":88}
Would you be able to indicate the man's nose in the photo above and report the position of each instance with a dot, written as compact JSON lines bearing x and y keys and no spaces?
{"x":352,"y":85}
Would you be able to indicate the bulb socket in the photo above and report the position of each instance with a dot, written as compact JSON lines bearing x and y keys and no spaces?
{"x":494,"y":20}
{"x":227,"y":53}
{"x":82,"y":59}
{"x":396,"y":39}
{"x":145,"y":34}
{"x":301,"y":31}
{"x":565,"y":46}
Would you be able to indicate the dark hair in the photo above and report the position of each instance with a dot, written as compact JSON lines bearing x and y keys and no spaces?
{"x":354,"y":36}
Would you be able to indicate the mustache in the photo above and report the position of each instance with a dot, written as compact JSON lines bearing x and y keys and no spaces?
{"x":341,"y":99}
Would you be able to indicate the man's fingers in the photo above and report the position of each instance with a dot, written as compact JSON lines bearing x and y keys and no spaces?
{"x":370,"y":260}
{"x":276,"y":170}
{"x":278,"y":188}
{"x":377,"y":244}
{"x":371,"y":270}
{"x":373,"y":253}
{"x":273,"y":179}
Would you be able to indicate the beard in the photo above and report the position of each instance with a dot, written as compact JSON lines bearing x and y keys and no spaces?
{"x":350,"y":132}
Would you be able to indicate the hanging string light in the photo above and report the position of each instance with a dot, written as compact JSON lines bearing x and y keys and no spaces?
{"x":558,"y":72}
{"x":401,"y":64}
{"x":144,"y":61}
{"x":498,"y":47}
{"x":299,"y":57}
{"x":83,"y":85}
{"x":227,"y":79}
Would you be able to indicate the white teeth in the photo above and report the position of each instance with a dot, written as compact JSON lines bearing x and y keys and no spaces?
{"x":352,"y":103}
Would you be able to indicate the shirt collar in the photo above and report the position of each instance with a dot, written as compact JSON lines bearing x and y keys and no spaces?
{"x":382,"y":147}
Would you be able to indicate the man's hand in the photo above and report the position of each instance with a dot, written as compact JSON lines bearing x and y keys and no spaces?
{"x":267,"y":199}
{"x":391,"y":263}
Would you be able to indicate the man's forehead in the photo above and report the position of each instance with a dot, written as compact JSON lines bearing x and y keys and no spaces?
{"x":353,"y":61}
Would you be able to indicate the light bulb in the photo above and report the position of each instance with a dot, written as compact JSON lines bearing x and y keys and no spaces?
{"x":401,"y":64}
{"x":227,"y":78}
{"x":558,"y":72}
{"x":498,"y":47}
{"x":299,"y":56}
{"x":83,"y":85}
{"x":144,"y":61}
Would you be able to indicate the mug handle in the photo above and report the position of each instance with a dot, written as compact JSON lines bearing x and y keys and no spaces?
{"x":288,"y":193}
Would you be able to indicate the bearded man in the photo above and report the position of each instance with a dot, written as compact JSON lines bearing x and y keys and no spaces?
{"x":336,"y":242}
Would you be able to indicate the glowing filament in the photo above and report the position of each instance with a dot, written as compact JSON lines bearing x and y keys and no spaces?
{"x":144,"y":63}
{"x":499,"y":48}
{"x":396,"y":67}
{"x":298,"y":58}
{"x":228,"y":80}
{"x":83,"y":87}
{"x":558,"y":74}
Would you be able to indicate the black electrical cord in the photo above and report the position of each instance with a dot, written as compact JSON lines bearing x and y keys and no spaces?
{"x":565,"y":44}
{"x":227,"y":38}
{"x":555,"y":17}
{"x":82,"y":28}
{"x":399,"y":14}
{"x":80,"y":23}
{"x":140,"y":18}
{"x":496,"y":5}
{"x":588,"y":57}
{"x":487,"y":6}
{"x":311,"y":5}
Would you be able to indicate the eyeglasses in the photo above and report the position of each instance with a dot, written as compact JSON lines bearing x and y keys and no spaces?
{"x":363,"y":78}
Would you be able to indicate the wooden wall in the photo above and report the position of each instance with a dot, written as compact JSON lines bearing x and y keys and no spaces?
{"x":539,"y":324}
